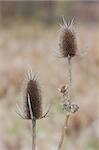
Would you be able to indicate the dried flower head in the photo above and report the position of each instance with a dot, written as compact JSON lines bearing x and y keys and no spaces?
{"x":63,"y":89}
{"x":32,"y":91}
{"x":67,"y":42}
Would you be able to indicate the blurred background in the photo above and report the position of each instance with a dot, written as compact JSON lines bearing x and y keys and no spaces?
{"x":29,"y":34}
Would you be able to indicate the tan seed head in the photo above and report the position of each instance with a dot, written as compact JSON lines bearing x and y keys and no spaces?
{"x":67,"y":44}
{"x":32,"y":89}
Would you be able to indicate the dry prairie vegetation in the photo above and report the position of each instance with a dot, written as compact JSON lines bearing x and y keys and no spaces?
{"x":23,"y":44}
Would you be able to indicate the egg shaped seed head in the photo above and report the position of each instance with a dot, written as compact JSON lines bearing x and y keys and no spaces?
{"x":67,"y":40}
{"x":32,"y":91}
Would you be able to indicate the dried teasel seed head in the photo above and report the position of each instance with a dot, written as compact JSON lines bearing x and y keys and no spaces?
{"x":32,"y":91}
{"x":67,"y":43}
{"x":63,"y":89}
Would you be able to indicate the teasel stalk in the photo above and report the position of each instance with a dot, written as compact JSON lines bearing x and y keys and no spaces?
{"x":32,"y":103}
{"x":68,"y":48}
{"x":33,"y":125}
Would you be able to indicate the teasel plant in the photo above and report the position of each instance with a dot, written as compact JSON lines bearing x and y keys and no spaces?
{"x":68,"y":50}
{"x":32,"y":103}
